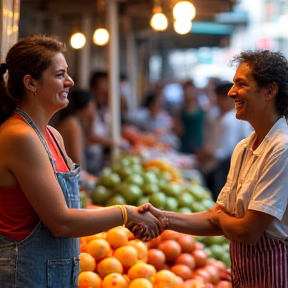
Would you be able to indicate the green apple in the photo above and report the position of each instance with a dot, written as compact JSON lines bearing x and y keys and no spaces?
{"x":184,"y":210}
{"x":185,"y":199}
{"x":143,"y":200}
{"x":217,"y":251}
{"x":116,"y":200}
{"x":124,"y":161}
{"x":163,"y":183}
{"x":208,"y":203}
{"x":166,"y":175}
{"x":136,"y":168}
{"x":100,"y":195}
{"x":135,"y":179}
{"x":197,"y":191}
{"x":150,"y":177}
{"x":131,"y":193}
{"x":158,"y":200}
{"x":134,"y":160}
{"x":150,"y":188}
{"x":109,"y":180}
{"x":171,"y":204}
{"x":154,"y":170}
{"x":173,"y":190}
{"x":197,"y":207}
{"x":106,"y":171}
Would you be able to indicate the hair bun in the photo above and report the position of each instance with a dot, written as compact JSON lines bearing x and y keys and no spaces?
{"x":3,"y":68}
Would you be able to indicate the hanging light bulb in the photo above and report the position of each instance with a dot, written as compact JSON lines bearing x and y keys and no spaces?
{"x":101,"y":36}
{"x":182,"y":26}
{"x":158,"y":21}
{"x":78,"y":40}
{"x":184,"y":10}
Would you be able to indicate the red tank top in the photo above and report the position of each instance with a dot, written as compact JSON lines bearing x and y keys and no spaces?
{"x":17,"y":217}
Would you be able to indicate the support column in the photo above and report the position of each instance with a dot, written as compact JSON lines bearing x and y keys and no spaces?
{"x":9,"y":25}
{"x":113,"y":69}
{"x":85,"y":54}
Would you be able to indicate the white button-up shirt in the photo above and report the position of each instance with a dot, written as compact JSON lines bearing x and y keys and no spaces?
{"x":258,"y":180}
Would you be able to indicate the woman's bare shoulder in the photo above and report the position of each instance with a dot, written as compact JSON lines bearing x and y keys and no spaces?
{"x":17,"y":132}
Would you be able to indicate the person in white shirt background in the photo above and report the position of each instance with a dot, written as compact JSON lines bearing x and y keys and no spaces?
{"x":226,"y":131}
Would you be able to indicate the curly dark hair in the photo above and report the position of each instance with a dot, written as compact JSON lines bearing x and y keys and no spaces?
{"x":268,"y":67}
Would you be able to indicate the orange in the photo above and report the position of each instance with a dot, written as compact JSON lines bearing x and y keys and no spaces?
{"x":88,"y":279}
{"x":114,"y":280}
{"x":98,"y":248}
{"x":142,"y":270}
{"x":187,"y":243}
{"x":155,"y":242}
{"x":141,"y":249}
{"x":156,"y":258}
{"x":140,"y":283}
{"x":109,"y":265}
{"x":82,"y":245}
{"x":129,"y":233}
{"x":117,"y":237}
{"x":171,"y":249}
{"x":187,"y":259}
{"x":87,"y":262}
{"x":165,"y":278}
{"x":127,"y":255}
{"x":87,"y":239}
{"x":182,"y":271}
{"x":170,"y":235}
{"x":178,"y":282}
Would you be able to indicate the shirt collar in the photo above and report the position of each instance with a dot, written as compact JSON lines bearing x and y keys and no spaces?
{"x":248,"y":142}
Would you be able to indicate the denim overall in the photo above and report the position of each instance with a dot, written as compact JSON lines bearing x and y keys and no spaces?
{"x":42,"y":260}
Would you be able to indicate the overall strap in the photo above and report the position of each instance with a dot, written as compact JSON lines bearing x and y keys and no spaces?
{"x":30,"y":122}
{"x":59,"y":147}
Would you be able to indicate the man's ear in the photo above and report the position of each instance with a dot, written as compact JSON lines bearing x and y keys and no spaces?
{"x":272,"y":90}
{"x":29,"y":83}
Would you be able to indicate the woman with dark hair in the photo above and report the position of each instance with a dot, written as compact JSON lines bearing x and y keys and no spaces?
{"x":39,"y":194}
{"x":251,"y":210}
{"x":71,"y":121}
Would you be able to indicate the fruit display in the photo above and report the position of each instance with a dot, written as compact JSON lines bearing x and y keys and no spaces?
{"x":172,"y":260}
{"x":216,"y":247}
{"x":134,"y":181}
{"x":139,"y":139}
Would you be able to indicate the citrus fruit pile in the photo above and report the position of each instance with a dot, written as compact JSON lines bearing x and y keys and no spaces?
{"x":173,"y":260}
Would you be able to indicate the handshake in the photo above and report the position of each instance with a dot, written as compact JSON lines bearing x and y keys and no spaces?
{"x":146,"y":222}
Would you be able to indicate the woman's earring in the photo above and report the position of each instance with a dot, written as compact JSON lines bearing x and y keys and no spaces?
{"x":35,"y":93}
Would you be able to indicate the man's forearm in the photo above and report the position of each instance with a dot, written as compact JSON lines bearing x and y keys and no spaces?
{"x":194,"y":223}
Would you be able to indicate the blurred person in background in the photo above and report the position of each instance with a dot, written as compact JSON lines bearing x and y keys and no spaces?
{"x":98,"y":132}
{"x":189,"y":121}
{"x":225,"y":132}
{"x":71,"y":121}
{"x":156,"y":120}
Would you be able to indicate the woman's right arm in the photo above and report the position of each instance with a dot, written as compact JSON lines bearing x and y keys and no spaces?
{"x":27,"y":160}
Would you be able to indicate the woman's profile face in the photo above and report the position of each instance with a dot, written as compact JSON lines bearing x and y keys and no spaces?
{"x":53,"y":88}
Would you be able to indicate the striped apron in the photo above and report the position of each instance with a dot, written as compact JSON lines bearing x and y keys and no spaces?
{"x":263,"y":265}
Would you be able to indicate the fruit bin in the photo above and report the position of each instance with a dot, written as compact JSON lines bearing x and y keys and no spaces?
{"x":181,"y":260}
{"x":172,"y":260}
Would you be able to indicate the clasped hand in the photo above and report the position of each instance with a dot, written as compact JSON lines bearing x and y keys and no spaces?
{"x":147,"y":223}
